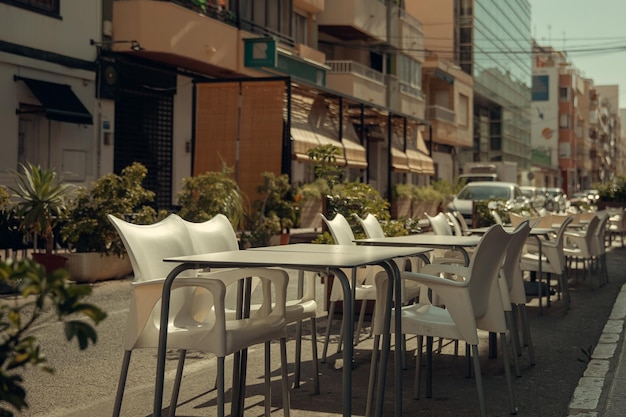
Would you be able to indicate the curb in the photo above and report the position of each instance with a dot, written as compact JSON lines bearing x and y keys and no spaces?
{"x":585,"y":401}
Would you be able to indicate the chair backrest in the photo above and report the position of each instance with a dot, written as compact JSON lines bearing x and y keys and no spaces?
{"x":456,"y":227}
{"x":559,"y":239}
{"x":484,"y":270}
{"x":340,"y":229}
{"x":439,"y":224}
{"x":511,"y":268}
{"x":214,"y":235}
{"x":496,"y":217}
{"x":371,"y":225}
{"x":147,"y":245}
{"x":461,"y":221}
{"x":599,"y":245}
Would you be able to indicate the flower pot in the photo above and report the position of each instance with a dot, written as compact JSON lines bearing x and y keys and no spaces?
{"x":50,"y":261}
{"x":95,"y":266}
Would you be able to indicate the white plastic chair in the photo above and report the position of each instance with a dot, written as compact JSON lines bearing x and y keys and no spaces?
{"x":456,"y":226}
{"x":578,"y":246}
{"x":617,"y":224}
{"x":441,"y":226}
{"x":472,"y":301}
{"x":599,"y":247}
{"x":552,"y":262}
{"x":363,"y":289}
{"x":217,"y":235}
{"x":195,"y":323}
{"x":513,"y":293}
{"x":373,"y":229}
{"x":461,"y":221}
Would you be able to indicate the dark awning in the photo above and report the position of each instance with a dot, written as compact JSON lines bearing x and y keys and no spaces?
{"x":59,"y":101}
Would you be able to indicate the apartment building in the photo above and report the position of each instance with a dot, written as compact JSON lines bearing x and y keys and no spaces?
{"x":185,"y":86}
{"x":48,"y":110}
{"x":606,"y":143}
{"x":491,"y":41}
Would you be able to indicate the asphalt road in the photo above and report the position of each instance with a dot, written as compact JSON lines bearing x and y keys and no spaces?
{"x":85,"y":381}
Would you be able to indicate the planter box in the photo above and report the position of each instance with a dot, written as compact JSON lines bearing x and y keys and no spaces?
{"x":401,"y":207}
{"x":309,"y":213}
{"x":93,"y":266}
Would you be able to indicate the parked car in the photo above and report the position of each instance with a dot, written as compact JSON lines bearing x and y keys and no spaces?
{"x":536,"y":196}
{"x":486,"y":191}
{"x":556,"y":199}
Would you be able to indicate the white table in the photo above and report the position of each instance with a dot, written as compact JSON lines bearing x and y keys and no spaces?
{"x":458,"y":243}
{"x":327,"y":259}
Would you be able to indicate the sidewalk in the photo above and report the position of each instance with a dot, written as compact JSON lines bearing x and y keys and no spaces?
{"x":600,"y":391}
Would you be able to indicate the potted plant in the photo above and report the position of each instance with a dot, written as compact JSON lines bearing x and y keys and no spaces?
{"x":270,"y":218}
{"x":97,"y":251}
{"x":41,"y":201}
{"x":403,"y":195}
{"x":203,"y":196}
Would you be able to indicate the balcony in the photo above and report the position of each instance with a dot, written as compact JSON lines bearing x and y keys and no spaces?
{"x":357,"y":80}
{"x":354,"y":20}
{"x":311,"y":6}
{"x":177,"y":36}
{"x":412,"y":36}
{"x":405,"y":98}
{"x":445,"y":128}
{"x":439,"y":113}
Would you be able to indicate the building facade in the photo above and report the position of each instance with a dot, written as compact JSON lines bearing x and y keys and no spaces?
{"x":489,"y":40}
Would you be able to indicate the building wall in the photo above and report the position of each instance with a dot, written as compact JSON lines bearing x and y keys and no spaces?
{"x":54,"y":50}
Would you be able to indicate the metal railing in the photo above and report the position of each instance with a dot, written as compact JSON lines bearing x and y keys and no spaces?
{"x":351,"y":67}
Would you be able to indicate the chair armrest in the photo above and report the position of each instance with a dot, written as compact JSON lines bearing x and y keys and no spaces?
{"x":433,"y":269}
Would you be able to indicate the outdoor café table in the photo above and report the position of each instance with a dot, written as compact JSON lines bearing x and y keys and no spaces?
{"x":538,"y":233}
{"x":457,"y":243}
{"x":319,"y":258}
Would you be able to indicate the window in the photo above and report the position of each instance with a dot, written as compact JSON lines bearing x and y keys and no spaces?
{"x":49,"y":7}
{"x":564,"y":121}
{"x":496,"y":144}
{"x":563,"y":93}
{"x":300,"y":28}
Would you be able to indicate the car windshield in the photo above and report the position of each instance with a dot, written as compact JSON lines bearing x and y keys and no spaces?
{"x":484,"y":193}
{"x":554,"y":193}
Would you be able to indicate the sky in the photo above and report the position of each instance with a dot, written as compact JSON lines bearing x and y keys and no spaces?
{"x":592,"y":32}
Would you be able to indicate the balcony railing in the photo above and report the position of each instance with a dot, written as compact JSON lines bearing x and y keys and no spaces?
{"x":351,"y":67}
{"x":408,"y":89}
{"x":440,"y":113}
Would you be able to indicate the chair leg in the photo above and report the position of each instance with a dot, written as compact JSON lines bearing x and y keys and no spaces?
{"x":285,"y":378}
{"x":507,"y":372}
{"x":564,"y":290}
{"x":122,"y":384}
{"x":316,"y":368}
{"x":526,"y":333}
{"x":479,"y":381}
{"x":331,"y":313}
{"x":371,"y":384}
{"x":508,"y":315}
{"x":179,"y":377}
{"x":268,"y":381}
{"x":359,"y":326}
{"x":220,"y":387}
{"x":418,"y":367}
{"x":298,"y":358}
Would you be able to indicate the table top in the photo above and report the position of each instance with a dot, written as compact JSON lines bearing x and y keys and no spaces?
{"x":426,"y":240}
{"x":534,"y":231}
{"x":299,"y":255}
